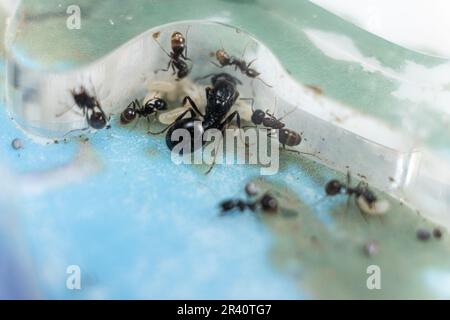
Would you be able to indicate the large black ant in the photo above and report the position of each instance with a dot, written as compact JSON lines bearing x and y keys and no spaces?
{"x":365,"y":199}
{"x":225,"y":60}
{"x":178,"y":55}
{"x":220,"y":98}
{"x":267,"y":203}
{"x":90,"y":107}
{"x":136,"y":109}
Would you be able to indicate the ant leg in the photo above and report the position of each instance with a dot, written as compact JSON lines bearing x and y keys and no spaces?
{"x":193,"y":105}
{"x":149,"y":122}
{"x":162,"y":48}
{"x":265,"y":83}
{"x":166,"y":69}
{"x":361,"y":212}
{"x":217,"y":65}
{"x":301,"y":152}
{"x":174,"y":70}
{"x":186,"y":49}
{"x":224,"y":125}
{"x":67,"y":110}
{"x":175,"y":121}
{"x":245,"y":49}
{"x":250,"y":63}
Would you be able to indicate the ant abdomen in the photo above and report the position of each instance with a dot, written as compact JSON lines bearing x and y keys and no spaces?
{"x":252,"y":73}
{"x":128,"y":115}
{"x":187,"y":134}
{"x":289,"y":137}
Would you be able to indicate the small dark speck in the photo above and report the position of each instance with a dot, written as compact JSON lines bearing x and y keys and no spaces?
{"x":391,"y":179}
{"x":371,"y":248}
{"x":17,"y":144}
{"x":56,"y":142}
{"x":423,"y":234}
{"x":437,"y":233}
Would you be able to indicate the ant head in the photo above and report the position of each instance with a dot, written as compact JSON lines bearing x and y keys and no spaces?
{"x":160,"y":104}
{"x":178,"y":42}
{"x":186,"y":134}
{"x":223,"y":57}
{"x":269,"y":203}
{"x":333,"y":188}
{"x":97,"y":120}
{"x":258,"y":116}
{"x":128,"y":115}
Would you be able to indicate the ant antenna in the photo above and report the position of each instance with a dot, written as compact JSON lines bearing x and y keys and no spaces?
{"x":186,"y":50}
{"x":157,"y":41}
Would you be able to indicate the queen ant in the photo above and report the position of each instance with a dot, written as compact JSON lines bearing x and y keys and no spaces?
{"x":220,"y":98}
{"x":178,"y":55}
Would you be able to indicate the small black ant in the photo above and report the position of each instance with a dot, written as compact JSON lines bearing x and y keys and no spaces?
{"x":90,"y":107}
{"x":260,"y":117}
{"x":220,"y":98}
{"x":225,"y":60}
{"x":365,"y":199}
{"x":178,"y":55}
{"x":267,"y":203}
{"x":286,"y":137}
{"x":136,"y":109}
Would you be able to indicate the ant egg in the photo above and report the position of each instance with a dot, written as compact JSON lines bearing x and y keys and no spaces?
{"x":170,"y":116}
{"x":378,"y":207}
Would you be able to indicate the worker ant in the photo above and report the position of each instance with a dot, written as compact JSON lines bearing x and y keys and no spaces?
{"x":365,"y":199}
{"x":90,"y":107}
{"x":136,"y":109}
{"x":267,"y":203}
{"x":225,"y":60}
{"x":220,"y":98}
{"x":286,"y":137}
{"x":178,"y":55}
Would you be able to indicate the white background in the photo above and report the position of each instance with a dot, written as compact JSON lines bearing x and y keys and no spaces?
{"x":421,"y":25}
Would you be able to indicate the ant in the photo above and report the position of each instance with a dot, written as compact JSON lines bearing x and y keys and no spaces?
{"x":365,"y":199}
{"x":90,"y":107}
{"x":225,"y":60}
{"x":136,"y":109}
{"x":178,"y":55}
{"x":267,"y":202}
{"x":286,"y":137}
{"x":266,"y":119}
{"x":220,"y":98}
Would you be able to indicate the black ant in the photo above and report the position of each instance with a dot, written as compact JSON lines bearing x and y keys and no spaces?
{"x":136,"y":109}
{"x":90,"y":107}
{"x":267,"y":203}
{"x":178,"y":55}
{"x":220,"y":98}
{"x":286,"y":137}
{"x":225,"y":60}
{"x":365,"y":199}
{"x":260,"y":117}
